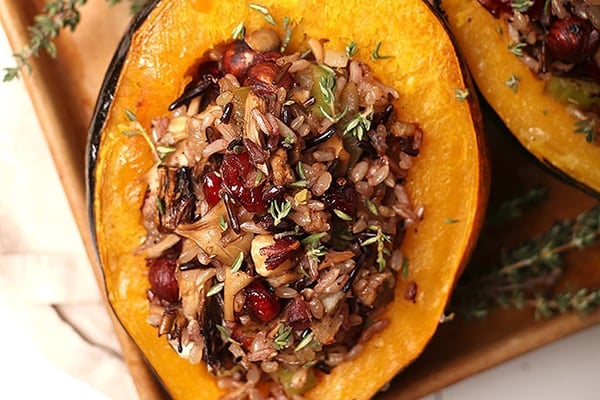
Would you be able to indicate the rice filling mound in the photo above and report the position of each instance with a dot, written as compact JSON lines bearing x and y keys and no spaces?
{"x":275,"y":213}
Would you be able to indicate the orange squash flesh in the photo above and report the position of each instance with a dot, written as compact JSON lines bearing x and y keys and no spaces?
{"x":449,"y":179}
{"x":541,"y":123}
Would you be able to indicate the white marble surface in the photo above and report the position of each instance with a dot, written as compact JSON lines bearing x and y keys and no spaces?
{"x":45,"y":280}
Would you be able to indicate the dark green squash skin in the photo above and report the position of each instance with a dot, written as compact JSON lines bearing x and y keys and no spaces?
{"x":102,"y":108}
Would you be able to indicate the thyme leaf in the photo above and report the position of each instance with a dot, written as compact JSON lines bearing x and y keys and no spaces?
{"x":215,"y":289}
{"x":237,"y":263}
{"x":351,"y":49}
{"x":279,"y":211}
{"x":360,"y":124}
{"x":239,"y":31}
{"x":283,"y":338}
{"x":461,"y":94}
{"x":375,"y":53}
{"x":586,"y":127}
{"x":517,"y":48}
{"x":287,"y":35}
{"x":513,"y":82}
{"x":223,"y":223}
{"x":265,"y":12}
{"x":306,"y":340}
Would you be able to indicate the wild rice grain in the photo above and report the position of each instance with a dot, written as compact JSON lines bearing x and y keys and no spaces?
{"x":359,"y":171}
{"x":322,"y":184}
{"x":285,"y":292}
{"x":316,"y":308}
{"x":378,"y":175}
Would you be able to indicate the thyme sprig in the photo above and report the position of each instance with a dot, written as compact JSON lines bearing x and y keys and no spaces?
{"x":380,"y":239}
{"x":530,"y":271}
{"x":515,"y":207}
{"x":586,"y":127}
{"x":57,"y":15}
{"x":360,"y":124}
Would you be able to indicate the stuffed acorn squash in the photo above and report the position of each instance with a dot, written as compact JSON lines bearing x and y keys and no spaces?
{"x":285,"y":211}
{"x":536,"y":63}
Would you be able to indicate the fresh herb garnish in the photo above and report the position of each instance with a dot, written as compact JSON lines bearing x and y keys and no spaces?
{"x":313,"y":240}
{"x":300,"y":170}
{"x":237,"y":263}
{"x":306,"y":340}
{"x":360,"y":124}
{"x":287,"y":36}
{"x":517,"y":48}
{"x":239,"y":32}
{"x":264,"y":11}
{"x":405,"y":264}
{"x":57,"y":15}
{"x":282,"y":340}
{"x":450,"y":220}
{"x":342,"y":215}
{"x":223,"y":223}
{"x":215,"y":289}
{"x":513,"y":82}
{"x":375,"y":53}
{"x":461,"y":94}
{"x":531,"y":266}
{"x":351,"y":49}
{"x":380,"y":239}
{"x":587,"y":128}
{"x":326,"y":85}
{"x":259,"y":176}
{"x":135,"y":128}
{"x":371,"y":207}
{"x":279,"y":211}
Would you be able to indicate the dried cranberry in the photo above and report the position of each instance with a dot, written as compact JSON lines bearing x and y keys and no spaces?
{"x":261,"y":303}
{"x":497,"y":7}
{"x":235,"y":169}
{"x":211,"y":185}
{"x":162,"y":278}
{"x":297,"y":314}
{"x":341,"y":196}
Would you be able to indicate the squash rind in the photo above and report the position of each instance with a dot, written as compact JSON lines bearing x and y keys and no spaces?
{"x":145,"y":78}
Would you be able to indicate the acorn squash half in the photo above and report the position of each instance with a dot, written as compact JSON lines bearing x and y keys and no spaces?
{"x":539,"y":121}
{"x":450,"y":179}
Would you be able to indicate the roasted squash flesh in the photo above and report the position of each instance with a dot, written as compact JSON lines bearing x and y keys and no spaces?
{"x":450,"y":178}
{"x":537,"y":119}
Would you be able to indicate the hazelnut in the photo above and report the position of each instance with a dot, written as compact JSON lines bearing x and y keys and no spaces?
{"x":238,"y":58}
{"x":571,"y":39}
{"x":263,"y":40}
{"x":267,"y":77}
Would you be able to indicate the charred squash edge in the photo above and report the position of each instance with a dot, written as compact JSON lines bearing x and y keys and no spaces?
{"x":109,"y":86}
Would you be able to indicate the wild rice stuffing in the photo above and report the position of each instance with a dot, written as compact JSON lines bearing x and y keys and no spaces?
{"x":275,"y":214}
{"x":559,"y":41}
